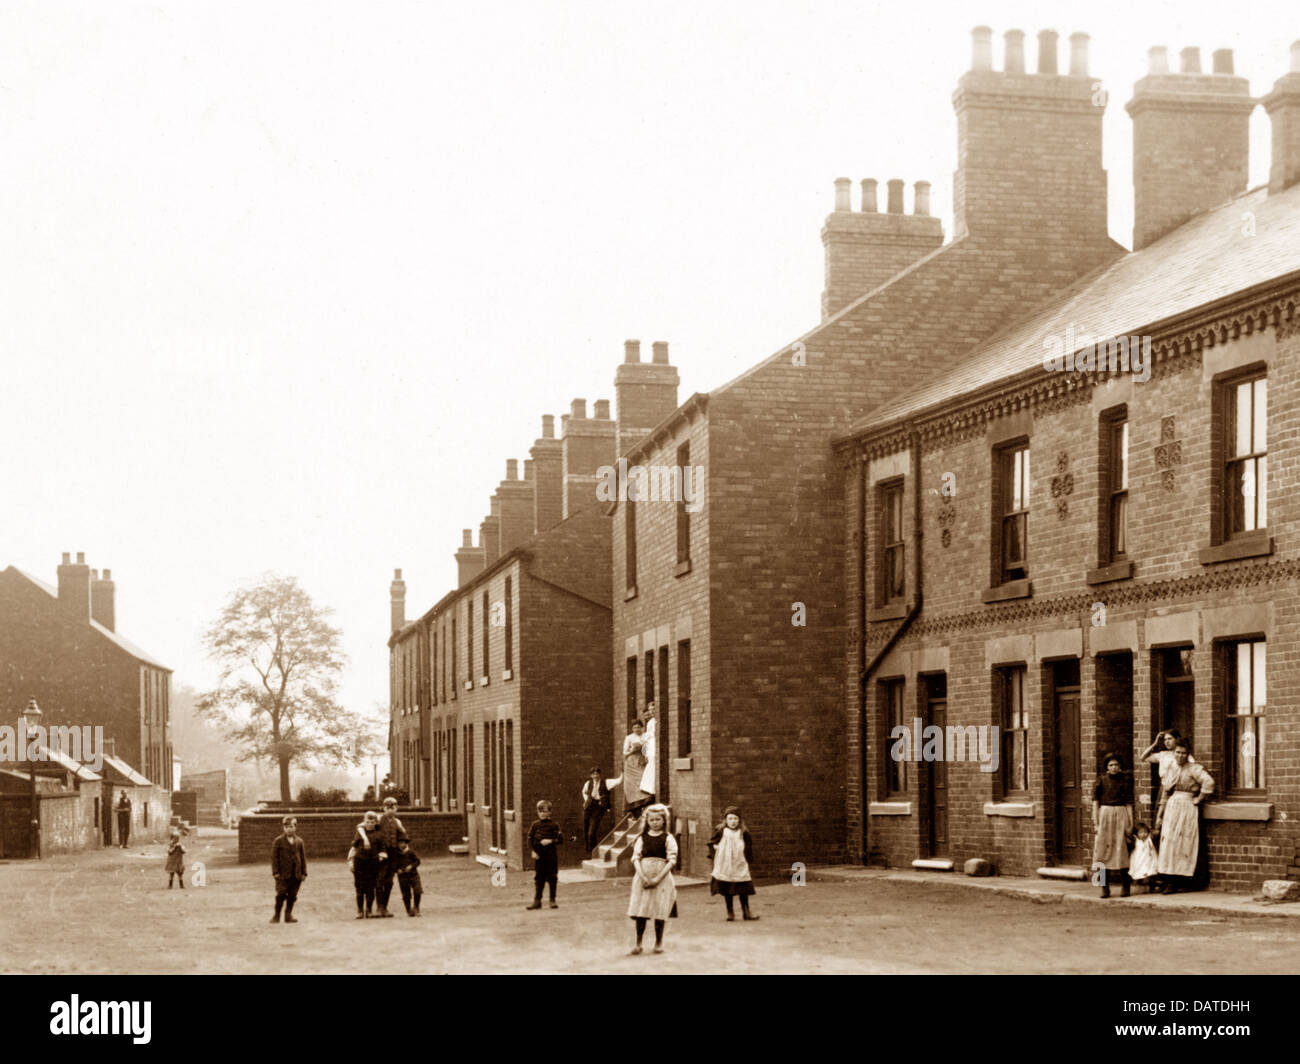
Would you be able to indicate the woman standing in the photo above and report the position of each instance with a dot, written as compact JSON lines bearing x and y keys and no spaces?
{"x":1112,"y":822}
{"x":1161,"y":754}
{"x":1179,"y":820}
{"x":654,"y":894}
{"x":633,"y":768}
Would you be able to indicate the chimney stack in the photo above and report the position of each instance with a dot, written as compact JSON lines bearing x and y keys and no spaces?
{"x":548,"y":477}
{"x":589,"y":443}
{"x":489,"y":533}
{"x":1029,"y":155}
{"x":102,"y":600}
{"x":515,"y":505}
{"x":1283,"y":107}
{"x":645,"y":394}
{"x":1191,"y":142}
{"x":601,"y":412}
{"x":397,"y":600}
{"x":866,"y":249}
{"x":469,"y":559}
{"x":74,"y":587}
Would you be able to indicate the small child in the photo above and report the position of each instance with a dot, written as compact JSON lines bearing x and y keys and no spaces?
{"x":543,"y":836}
{"x":732,"y":849}
{"x":1142,"y":863}
{"x":175,"y":867}
{"x":408,"y":878}
{"x":654,"y":892}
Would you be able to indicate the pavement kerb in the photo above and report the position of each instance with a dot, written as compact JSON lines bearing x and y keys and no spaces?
{"x":1054,"y":892}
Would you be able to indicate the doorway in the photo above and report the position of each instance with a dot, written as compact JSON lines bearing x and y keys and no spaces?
{"x":1069,"y":764}
{"x":1175,"y":701}
{"x":934,"y":689}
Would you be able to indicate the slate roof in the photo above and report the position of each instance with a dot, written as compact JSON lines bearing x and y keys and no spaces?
{"x":1202,"y":261}
{"x":107,"y":633}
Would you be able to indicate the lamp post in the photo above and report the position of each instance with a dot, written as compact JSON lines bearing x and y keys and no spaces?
{"x":32,"y":715}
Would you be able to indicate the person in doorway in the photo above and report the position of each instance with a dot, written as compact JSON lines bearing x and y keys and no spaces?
{"x":633,"y":769}
{"x":595,"y":804}
{"x":1161,"y":754}
{"x":1179,"y":821}
{"x":1112,"y":822}
{"x":289,"y":867}
{"x":732,"y":850}
{"x":123,"y":810}
{"x":650,"y":750}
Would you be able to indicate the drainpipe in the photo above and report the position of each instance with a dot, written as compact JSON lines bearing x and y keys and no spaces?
{"x":866,"y":671}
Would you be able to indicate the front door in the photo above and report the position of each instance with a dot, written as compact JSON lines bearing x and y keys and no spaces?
{"x":1069,"y":786}
{"x":936,"y":711}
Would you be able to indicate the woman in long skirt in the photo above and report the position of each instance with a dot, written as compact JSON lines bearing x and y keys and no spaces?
{"x":1179,"y":822}
{"x":654,"y":894}
{"x":1112,"y":822}
{"x":634,"y":763}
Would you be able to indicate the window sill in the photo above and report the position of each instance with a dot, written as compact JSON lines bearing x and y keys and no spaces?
{"x":469,"y":685}
{"x":890,"y":808}
{"x":469,"y":807}
{"x":1105,"y":574}
{"x":1237,"y":809}
{"x":1251,"y":545}
{"x":483,"y":681}
{"x":683,"y":764}
{"x":507,"y":674}
{"x":509,"y":814}
{"x":453,"y":805}
{"x":1014,"y":589}
{"x":895,"y":611}
{"x":1012,"y":808}
{"x":629,"y":594}
{"x":682,"y":567}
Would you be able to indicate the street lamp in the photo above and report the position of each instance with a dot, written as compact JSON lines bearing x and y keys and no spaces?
{"x":32,"y":715}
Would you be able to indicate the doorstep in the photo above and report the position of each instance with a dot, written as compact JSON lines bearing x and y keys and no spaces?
{"x":1064,"y":872}
{"x":1063,"y":890}
{"x":932,"y":864}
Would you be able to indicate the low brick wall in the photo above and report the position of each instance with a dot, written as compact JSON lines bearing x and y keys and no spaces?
{"x":328,"y":835}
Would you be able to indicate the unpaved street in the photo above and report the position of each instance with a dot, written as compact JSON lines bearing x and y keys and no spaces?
{"x":110,"y":912}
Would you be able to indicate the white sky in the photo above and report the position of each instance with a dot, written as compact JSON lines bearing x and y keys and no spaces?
{"x":284,"y":285}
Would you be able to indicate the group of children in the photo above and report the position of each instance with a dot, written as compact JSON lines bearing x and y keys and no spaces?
{"x":381,"y":850}
{"x":654,"y":855}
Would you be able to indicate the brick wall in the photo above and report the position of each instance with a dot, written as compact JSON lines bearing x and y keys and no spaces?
{"x":328,"y":836}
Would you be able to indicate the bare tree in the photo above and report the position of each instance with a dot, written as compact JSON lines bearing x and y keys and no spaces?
{"x":280,"y":660}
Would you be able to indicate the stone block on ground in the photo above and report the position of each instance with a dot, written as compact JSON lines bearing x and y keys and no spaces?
{"x":1280,"y":890}
{"x":978,"y":866}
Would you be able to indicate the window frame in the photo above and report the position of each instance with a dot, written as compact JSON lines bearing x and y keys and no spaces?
{"x":889,"y":492}
{"x":1010,"y":679}
{"x":683,"y":514}
{"x":895,"y":778}
{"x":1254,"y":458}
{"x":1005,"y":457}
{"x":1116,"y":476}
{"x":1229,"y":651}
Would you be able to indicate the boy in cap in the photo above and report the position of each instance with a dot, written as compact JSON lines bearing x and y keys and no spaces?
{"x":543,"y":838}
{"x":289,"y":867}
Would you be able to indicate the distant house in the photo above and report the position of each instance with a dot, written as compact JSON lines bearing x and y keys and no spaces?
{"x":59,"y":646}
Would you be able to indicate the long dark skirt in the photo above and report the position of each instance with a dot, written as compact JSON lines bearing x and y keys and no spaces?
{"x":731,"y":889}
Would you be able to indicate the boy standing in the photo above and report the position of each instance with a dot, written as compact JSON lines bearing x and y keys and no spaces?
{"x":408,"y":878}
{"x":289,"y":867}
{"x":543,"y":838}
{"x":390,"y":835}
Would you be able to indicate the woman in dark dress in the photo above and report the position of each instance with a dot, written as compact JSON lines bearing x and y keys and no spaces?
{"x":1112,"y":821}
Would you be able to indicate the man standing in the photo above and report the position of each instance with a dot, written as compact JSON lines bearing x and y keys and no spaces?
{"x":391,"y":835}
{"x":123,"y":808}
{"x":289,"y":867}
{"x":595,"y":804}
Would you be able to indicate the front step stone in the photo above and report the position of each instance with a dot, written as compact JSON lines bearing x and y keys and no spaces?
{"x":933,"y":864}
{"x":1063,"y":872}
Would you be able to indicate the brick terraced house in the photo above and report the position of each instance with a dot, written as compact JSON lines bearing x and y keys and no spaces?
{"x":1073,"y":558}
{"x":733,"y":619}
{"x":60,"y":646}
{"x":501,"y":691}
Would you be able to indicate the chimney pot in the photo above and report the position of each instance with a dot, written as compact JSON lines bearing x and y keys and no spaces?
{"x":578,"y":409}
{"x":1047,"y":51}
{"x":1158,"y":60}
{"x":67,"y":558}
{"x":1295,"y":57}
{"x":108,"y":574}
{"x":1190,"y":58}
{"x":528,"y":471}
{"x":512,"y":469}
{"x":548,"y":426}
{"x":81,"y":557}
{"x":869,"y":195}
{"x":981,"y":53}
{"x":94,"y":574}
{"x":1079,"y":55}
{"x":466,"y":537}
{"x":921,"y":198}
{"x":602,"y":408}
{"x":1013,"y":54}
{"x":660,"y":353}
{"x":842,"y":194}
{"x":895,"y":187}
{"x":397,"y":574}
{"x":1222,"y":61}
{"x":631,"y":350}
